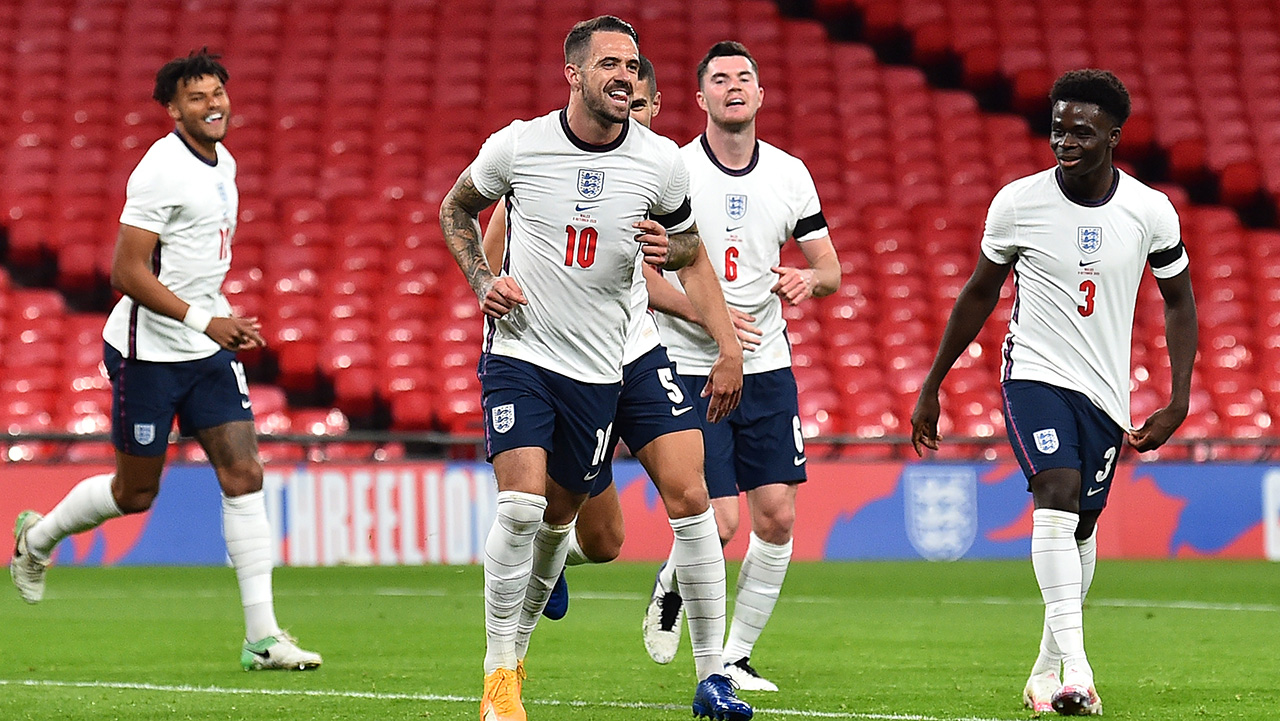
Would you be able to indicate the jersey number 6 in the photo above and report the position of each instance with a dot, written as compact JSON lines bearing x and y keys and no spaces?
{"x":584,"y":243}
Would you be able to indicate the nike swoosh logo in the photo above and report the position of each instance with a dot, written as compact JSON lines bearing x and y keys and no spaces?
{"x":680,"y":411}
{"x":1086,"y":265}
{"x":799,"y":460}
{"x":1094,"y":491}
{"x":260,"y":654}
{"x":736,"y":227}
{"x":580,"y":207}
{"x":245,"y":403}
{"x":591,"y":476}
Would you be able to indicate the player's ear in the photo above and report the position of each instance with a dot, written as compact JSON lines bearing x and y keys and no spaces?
{"x":572,"y":74}
{"x":1113,"y":138}
{"x":173,"y":111}
{"x":761,"y":89}
{"x":657,"y":104}
{"x":702,"y":100}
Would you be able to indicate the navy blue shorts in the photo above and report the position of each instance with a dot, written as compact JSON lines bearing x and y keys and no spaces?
{"x":1052,"y":427}
{"x":526,"y":406}
{"x":147,"y":395}
{"x":653,"y":403}
{"x":759,"y":443}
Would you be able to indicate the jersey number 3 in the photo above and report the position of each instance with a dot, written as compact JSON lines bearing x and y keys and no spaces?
{"x":1090,"y":289}
{"x":581,"y":246}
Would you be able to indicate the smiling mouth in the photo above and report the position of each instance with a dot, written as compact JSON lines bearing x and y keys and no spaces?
{"x":213,"y":117}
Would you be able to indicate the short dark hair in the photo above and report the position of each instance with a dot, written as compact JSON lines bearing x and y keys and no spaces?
{"x":579,"y":38}
{"x":197,"y":64}
{"x":1099,"y":87}
{"x":647,"y":75}
{"x":726,"y":49}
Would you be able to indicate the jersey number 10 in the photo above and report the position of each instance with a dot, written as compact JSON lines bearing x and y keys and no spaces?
{"x":581,"y":246}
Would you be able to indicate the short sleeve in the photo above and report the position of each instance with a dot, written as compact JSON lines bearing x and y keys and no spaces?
{"x":999,"y":233}
{"x":810,"y":224}
{"x":491,"y":170}
{"x":1168,"y":256}
{"x":150,"y":201}
{"x":673,"y":209}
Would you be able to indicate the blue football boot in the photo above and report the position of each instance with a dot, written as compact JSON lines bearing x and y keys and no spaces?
{"x":714,"y":698}
{"x":558,"y":602}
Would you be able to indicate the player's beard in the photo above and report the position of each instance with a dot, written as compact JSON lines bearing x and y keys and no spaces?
{"x":195,"y":127}
{"x":600,"y":106}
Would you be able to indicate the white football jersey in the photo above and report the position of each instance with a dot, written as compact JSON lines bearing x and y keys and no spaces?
{"x":192,"y":205}
{"x":642,"y":332}
{"x":1076,"y":269}
{"x":570,"y":242}
{"x":745,"y":216}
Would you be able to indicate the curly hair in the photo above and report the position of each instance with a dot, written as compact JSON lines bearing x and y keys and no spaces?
{"x":1099,"y":87}
{"x":197,"y":64}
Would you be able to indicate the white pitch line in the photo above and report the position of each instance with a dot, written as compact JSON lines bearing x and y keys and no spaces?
{"x":637,"y":597}
{"x":445,"y":698}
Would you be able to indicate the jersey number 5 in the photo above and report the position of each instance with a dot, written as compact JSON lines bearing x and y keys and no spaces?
{"x":1089,"y":288}
{"x":581,"y":245}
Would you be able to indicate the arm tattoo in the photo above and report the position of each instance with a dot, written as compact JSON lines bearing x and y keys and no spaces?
{"x":458,"y":220}
{"x":682,"y":248}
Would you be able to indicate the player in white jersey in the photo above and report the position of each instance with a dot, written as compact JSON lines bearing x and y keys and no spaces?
{"x":1076,"y":237}
{"x":749,"y":198}
{"x":655,"y":418}
{"x":579,"y":187}
{"x":170,"y":352}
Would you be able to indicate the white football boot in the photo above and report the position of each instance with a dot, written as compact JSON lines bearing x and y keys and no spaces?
{"x":280,"y":651}
{"x":26,"y":570}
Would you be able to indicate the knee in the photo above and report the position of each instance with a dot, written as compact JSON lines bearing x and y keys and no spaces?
{"x":135,"y":500}
{"x":241,"y":477}
{"x":689,"y":499}
{"x":775,"y":526}
{"x":728,"y":528}
{"x":604,"y":547}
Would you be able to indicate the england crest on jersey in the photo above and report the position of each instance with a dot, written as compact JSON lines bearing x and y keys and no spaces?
{"x":590,"y":183}
{"x":1089,"y":237}
{"x":144,"y":433}
{"x":941,"y":509}
{"x":735,"y":206}
{"x":1046,"y":440}
{"x":504,"y":418}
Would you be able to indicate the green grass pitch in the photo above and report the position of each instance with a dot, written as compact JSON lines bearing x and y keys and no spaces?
{"x":1168,"y":640}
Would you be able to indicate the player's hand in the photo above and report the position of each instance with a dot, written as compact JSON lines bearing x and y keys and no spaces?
{"x":1158,"y":428}
{"x":724,"y":385}
{"x":236,"y":334}
{"x":653,"y":242}
{"x":501,"y":296}
{"x":748,"y":334}
{"x":794,"y":285}
{"x":924,"y":422}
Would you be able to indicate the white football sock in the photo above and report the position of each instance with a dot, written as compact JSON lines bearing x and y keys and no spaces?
{"x":1050,"y":658}
{"x":248,"y":535}
{"x":667,"y":574}
{"x":1088,"y":560}
{"x":700,"y":560}
{"x":86,"y":506}
{"x":1056,"y":561}
{"x":759,"y":583}
{"x":508,"y":558}
{"x":576,"y":556}
{"x":549,"y":548}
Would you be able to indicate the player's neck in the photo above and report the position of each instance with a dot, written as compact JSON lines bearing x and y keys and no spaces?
{"x":733,"y":148}
{"x":206,"y":149}
{"x":590,"y":127}
{"x":1091,"y":187}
